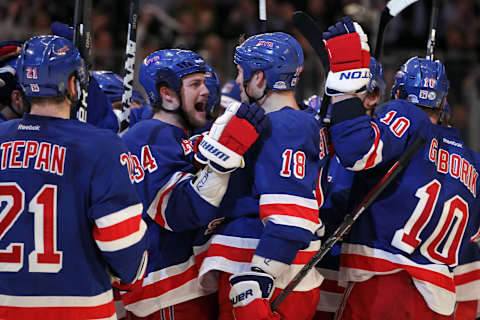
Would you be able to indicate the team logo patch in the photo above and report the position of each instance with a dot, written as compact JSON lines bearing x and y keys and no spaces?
{"x":423,"y":94}
{"x":412,"y":98}
{"x":432,"y":95}
{"x":280,"y":85}
{"x":34,"y":87}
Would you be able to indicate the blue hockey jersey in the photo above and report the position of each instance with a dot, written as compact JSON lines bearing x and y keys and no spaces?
{"x":271,"y":205}
{"x":68,"y":213}
{"x":163,"y":171}
{"x":424,"y":220}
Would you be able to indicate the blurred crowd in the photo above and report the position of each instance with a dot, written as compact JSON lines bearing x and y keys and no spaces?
{"x":213,"y":28}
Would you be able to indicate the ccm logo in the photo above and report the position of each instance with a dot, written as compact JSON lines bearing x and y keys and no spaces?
{"x":214,"y":151}
{"x":242,"y":296}
{"x":355,"y":75}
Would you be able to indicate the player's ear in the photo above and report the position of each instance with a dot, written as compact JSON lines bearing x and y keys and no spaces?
{"x":73,"y":88}
{"x":167,"y":94}
{"x":260,"y":79}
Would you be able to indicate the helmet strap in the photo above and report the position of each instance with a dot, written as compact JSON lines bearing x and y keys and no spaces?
{"x":253,"y":99}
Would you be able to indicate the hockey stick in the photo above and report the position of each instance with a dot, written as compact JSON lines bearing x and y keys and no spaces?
{"x":129,"y":66}
{"x":262,"y":15}
{"x":82,"y":39}
{"x":433,"y":29}
{"x":309,"y":29}
{"x":351,"y":218}
{"x":393,"y":8}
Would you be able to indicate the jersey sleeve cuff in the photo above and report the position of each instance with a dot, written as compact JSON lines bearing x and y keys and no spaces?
{"x":346,"y":110}
{"x":272,"y":267}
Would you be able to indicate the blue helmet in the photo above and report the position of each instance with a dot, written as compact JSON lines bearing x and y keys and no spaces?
{"x":213,"y":85}
{"x":168,"y":66}
{"x":423,"y":82}
{"x":46,"y":64}
{"x":138,"y":97}
{"x":377,"y":80}
{"x":110,"y":83}
{"x":278,"y":54}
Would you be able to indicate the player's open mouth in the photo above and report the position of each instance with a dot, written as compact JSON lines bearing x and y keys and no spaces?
{"x":200,"y":106}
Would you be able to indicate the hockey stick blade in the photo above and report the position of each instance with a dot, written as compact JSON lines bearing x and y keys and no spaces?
{"x":393,"y":8}
{"x":309,"y":29}
{"x":351,"y":218}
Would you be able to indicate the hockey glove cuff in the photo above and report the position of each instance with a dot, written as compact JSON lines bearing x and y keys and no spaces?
{"x":211,"y":185}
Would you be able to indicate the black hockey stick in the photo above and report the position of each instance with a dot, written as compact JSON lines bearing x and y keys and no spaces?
{"x":351,"y":218}
{"x":393,"y":8}
{"x":309,"y":29}
{"x":82,"y":39}
{"x":433,"y":29}
{"x":262,"y":15}
{"x":129,"y":66}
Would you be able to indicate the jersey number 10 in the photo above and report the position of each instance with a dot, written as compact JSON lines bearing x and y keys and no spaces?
{"x":45,"y":257}
{"x":448,"y":230}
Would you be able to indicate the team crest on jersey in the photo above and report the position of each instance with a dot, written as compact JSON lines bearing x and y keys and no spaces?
{"x":187,"y":146}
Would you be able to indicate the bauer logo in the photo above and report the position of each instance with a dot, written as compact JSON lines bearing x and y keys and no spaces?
{"x":355,"y":75}
{"x":152,"y":59}
{"x":214,"y":151}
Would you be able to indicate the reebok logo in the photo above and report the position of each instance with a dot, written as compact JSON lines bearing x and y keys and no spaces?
{"x":214,"y":151}
{"x":28,"y":127}
{"x":242,"y":296}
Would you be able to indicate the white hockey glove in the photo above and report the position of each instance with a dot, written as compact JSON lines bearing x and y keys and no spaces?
{"x":230,"y":137}
{"x":349,"y":56}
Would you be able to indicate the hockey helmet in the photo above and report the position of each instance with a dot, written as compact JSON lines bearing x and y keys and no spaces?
{"x":423,"y":82}
{"x":278,"y":54}
{"x":110,"y":83}
{"x":377,"y":80}
{"x":168,"y":66}
{"x":46,"y":64}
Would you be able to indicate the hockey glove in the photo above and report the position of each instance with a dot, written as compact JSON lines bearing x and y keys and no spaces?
{"x":250,"y":294}
{"x":349,"y":56}
{"x":8,"y":81}
{"x":230,"y":137}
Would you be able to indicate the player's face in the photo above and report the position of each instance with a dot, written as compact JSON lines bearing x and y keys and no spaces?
{"x":194,"y":99}
{"x":239,"y":81}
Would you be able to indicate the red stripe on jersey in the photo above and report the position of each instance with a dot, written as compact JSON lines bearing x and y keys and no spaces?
{"x":293,"y":210}
{"x":160,"y":287}
{"x":158,"y":214}
{"x":246,"y":255}
{"x":331,"y":286}
{"x":373,"y":155}
{"x":356,"y":261}
{"x":467,"y":277}
{"x":117,"y":231}
{"x":47,"y":313}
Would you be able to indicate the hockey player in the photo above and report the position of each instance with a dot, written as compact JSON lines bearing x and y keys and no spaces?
{"x":271,"y":206}
{"x":12,"y":99}
{"x":398,"y":256}
{"x":178,"y":198}
{"x":66,"y":220}
{"x":333,"y":211}
{"x":213,"y":85}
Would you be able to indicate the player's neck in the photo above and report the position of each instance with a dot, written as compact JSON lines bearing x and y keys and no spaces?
{"x":171,"y":118}
{"x":61,"y":110}
{"x":275,"y":100}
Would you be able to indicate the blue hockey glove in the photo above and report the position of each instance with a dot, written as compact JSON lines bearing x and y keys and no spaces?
{"x":250,"y":294}
{"x":349,"y":56}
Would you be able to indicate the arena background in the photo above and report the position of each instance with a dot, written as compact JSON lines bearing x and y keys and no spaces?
{"x":212,"y":28}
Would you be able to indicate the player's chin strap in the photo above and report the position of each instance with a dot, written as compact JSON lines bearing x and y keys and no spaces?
{"x":252,"y":99}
